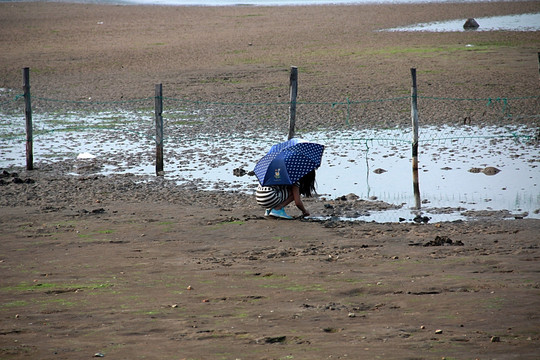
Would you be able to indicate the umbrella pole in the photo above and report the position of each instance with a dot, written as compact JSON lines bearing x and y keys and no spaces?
{"x":293,"y":89}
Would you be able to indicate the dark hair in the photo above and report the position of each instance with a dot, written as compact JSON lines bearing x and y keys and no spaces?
{"x":307,"y":184}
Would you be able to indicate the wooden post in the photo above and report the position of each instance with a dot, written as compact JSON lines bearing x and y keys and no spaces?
{"x":28,"y":114}
{"x":159,"y":129}
{"x":293,"y":89}
{"x":539,"y":62}
{"x":414,"y":118}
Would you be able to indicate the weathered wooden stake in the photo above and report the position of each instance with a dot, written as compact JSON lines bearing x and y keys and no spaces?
{"x":539,"y":62}
{"x":159,"y":129}
{"x":414,"y":118}
{"x":293,"y":89}
{"x":28,"y":114}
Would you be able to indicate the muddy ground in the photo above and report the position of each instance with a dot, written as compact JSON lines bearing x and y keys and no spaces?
{"x":120,"y":268}
{"x":205,"y":276}
{"x":115,"y":267}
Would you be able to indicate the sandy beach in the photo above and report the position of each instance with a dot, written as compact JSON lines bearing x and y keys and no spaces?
{"x":116,"y":267}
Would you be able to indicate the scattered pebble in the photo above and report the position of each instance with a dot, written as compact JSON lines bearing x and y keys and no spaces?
{"x":442,"y":241}
{"x":274,"y":339}
{"x":490,"y":170}
{"x":239,"y":172}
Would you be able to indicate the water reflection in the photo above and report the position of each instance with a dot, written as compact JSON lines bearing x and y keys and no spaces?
{"x":354,"y":162}
{"x":521,"y":22}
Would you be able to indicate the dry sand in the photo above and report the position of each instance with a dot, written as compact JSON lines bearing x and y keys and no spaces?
{"x":107,"y":266}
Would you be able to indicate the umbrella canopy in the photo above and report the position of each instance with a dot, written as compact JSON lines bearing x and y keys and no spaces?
{"x":288,"y":162}
{"x":283,"y":145}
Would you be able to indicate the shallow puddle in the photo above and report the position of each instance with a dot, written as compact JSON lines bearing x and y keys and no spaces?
{"x":520,"y":22}
{"x":373,"y":164}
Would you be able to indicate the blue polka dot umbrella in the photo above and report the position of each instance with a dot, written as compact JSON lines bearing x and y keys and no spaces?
{"x":288,"y":162}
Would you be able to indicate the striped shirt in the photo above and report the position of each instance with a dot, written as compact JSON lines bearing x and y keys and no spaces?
{"x":271,"y":196}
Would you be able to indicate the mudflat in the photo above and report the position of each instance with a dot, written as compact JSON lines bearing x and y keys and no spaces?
{"x":240,"y":53}
{"x":108,"y":266}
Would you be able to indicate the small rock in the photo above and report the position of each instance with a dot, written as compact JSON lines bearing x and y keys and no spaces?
{"x":471,"y":24}
{"x":442,"y":241}
{"x":379,"y":171}
{"x":239,"y":172}
{"x":99,"y":354}
{"x":490,"y":170}
{"x":438,"y":331}
{"x":351,"y":315}
{"x":495,"y":339}
{"x":331,"y":330}
{"x":275,"y":339}
{"x":190,"y":287}
{"x":421,"y":219}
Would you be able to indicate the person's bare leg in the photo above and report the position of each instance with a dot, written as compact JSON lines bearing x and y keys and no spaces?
{"x":285,"y":203}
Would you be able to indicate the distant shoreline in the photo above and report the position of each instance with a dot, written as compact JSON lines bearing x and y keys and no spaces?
{"x":254,"y":3}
